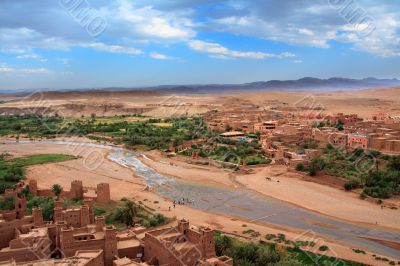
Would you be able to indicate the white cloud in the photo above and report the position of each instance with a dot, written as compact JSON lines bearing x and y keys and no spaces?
{"x":298,"y":61}
{"x":23,"y":40}
{"x":383,"y":40}
{"x":133,"y":23}
{"x":117,"y":49}
{"x":159,"y":56}
{"x":32,"y":57}
{"x":4,"y":68}
{"x":149,"y":23}
{"x":317,"y":25}
{"x":306,"y":32}
{"x":286,"y":55}
{"x":218,"y":51}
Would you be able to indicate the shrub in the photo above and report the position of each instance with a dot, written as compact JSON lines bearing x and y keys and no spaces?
{"x":363,"y":195}
{"x":45,"y":203}
{"x":7,"y":204}
{"x":253,"y":160}
{"x":157,"y":219}
{"x":4,"y":186}
{"x":98,"y":211}
{"x":14,"y":174}
{"x":323,"y":248}
{"x":300,"y":167}
{"x":351,"y":184}
{"x":312,"y":172}
{"x":57,"y":189}
{"x":359,"y":251}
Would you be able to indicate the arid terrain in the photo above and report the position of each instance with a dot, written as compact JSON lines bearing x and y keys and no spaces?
{"x":124,"y":183}
{"x":321,"y":195}
{"x":156,"y":104}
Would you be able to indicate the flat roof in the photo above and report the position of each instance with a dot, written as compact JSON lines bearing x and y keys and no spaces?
{"x":232,"y":133}
{"x":122,"y":244}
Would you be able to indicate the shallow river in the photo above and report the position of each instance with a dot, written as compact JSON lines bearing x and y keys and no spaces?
{"x":251,"y":205}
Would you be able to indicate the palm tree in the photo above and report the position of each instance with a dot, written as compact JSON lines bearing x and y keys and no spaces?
{"x":222,"y":243}
{"x":129,"y":213}
{"x":57,"y":189}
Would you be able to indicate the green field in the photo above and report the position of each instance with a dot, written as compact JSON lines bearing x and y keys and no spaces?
{"x":41,"y":159}
{"x":13,"y":170}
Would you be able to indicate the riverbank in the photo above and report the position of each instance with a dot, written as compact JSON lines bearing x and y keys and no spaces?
{"x":124,"y":183}
{"x":278,"y":182}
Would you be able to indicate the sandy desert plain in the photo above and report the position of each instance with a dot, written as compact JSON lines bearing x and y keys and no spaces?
{"x":321,"y":196}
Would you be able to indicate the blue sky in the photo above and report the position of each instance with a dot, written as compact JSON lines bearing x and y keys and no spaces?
{"x":131,"y":43}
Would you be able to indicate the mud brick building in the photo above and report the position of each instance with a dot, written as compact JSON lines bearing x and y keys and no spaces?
{"x":77,"y":191}
{"x":76,"y":237}
{"x":180,"y":245}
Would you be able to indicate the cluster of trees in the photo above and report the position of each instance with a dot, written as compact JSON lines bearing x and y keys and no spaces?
{"x":315,"y":166}
{"x":262,"y":253}
{"x":245,"y":253}
{"x":32,"y":124}
{"x":131,"y":133}
{"x":384,"y":183}
{"x":159,"y":137}
{"x":45,"y":203}
{"x":9,"y":173}
{"x":7,"y":204}
{"x":237,"y":152}
{"x":339,"y":125}
{"x":377,"y":174}
{"x":131,"y":212}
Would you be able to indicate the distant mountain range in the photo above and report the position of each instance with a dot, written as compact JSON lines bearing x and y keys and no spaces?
{"x":307,"y":83}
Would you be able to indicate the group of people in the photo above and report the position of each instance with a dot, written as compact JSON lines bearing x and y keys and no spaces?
{"x":182,"y":201}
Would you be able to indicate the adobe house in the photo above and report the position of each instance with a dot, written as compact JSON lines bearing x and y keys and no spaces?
{"x":81,"y":258}
{"x":77,"y":191}
{"x":357,"y":141}
{"x":180,"y":246}
{"x":77,"y":238}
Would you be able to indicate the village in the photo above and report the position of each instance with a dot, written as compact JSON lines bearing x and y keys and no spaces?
{"x":76,"y":237}
{"x":282,"y":134}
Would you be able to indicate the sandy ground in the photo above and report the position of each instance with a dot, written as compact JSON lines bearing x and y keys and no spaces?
{"x":103,"y":103}
{"x":290,"y":188}
{"x":365,"y":103}
{"x":124,"y":183}
{"x":320,"y":198}
{"x":155,"y":104}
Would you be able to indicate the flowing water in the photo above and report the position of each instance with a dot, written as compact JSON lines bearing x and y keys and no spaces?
{"x":251,"y":205}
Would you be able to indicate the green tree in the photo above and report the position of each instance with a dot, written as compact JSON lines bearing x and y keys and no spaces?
{"x":57,"y":189}
{"x":14,"y":173}
{"x":340,"y":125}
{"x":126,"y":214}
{"x":45,"y":203}
{"x":222,"y":245}
{"x":7,"y":204}
{"x":300,"y":167}
{"x":316,"y":165}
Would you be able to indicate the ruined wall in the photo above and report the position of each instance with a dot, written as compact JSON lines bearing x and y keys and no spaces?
{"x":103,"y":193}
{"x":110,"y":245}
{"x":156,"y":252}
{"x":7,"y":232}
{"x":76,"y":190}
{"x":19,"y":255}
{"x":131,"y":252}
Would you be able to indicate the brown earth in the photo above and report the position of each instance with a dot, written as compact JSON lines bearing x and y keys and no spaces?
{"x":279,"y":182}
{"x":124,"y":183}
{"x":157,"y":104}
